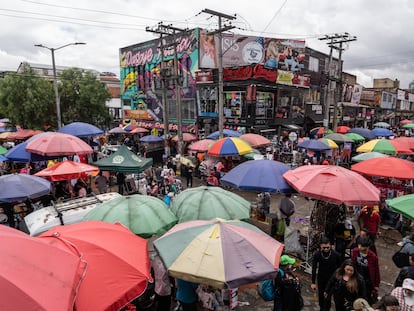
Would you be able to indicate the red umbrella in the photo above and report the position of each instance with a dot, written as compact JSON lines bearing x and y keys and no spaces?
{"x":201,"y":145}
{"x":255,"y":140}
{"x":405,"y":141}
{"x":23,"y":134}
{"x":342,"y":129}
{"x":406,"y":121}
{"x":118,"y":262}
{"x":333,"y":184}
{"x":36,"y":275}
{"x":386,"y":167}
{"x":67,"y":170}
{"x":57,"y":144}
{"x":187,"y":137}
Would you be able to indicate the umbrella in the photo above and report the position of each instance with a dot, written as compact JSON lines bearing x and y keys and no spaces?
{"x":384,"y":146}
{"x":381,"y":132}
{"x":368,"y":155}
{"x":219,"y":253}
{"x":408,"y":126}
{"x":386,"y":167}
{"x":403,"y":205}
{"x":81,"y":129}
{"x":23,"y":134}
{"x":3,"y":150}
{"x":3,"y":158}
{"x":229,"y":146}
{"x":57,"y":144}
{"x":16,"y":187}
{"x":117,"y":130}
{"x":320,"y":130}
{"x":382,"y":124}
{"x":355,"y":137}
{"x":67,"y":170}
{"x":255,"y":155}
{"x":125,"y":161}
{"x":313,"y":144}
{"x":205,"y":203}
{"x":151,"y":139}
{"x":255,"y":140}
{"x":339,"y":138}
{"x":260,"y":175}
{"x":143,"y":215}
{"x":363,"y":132}
{"x":118,"y":262}
{"x":333,"y":184}
{"x":129,"y":127}
{"x":36,"y":275}
{"x":329,"y":142}
{"x":342,"y":129}
{"x":201,"y":145}
{"x":407,"y":141}
{"x":406,"y":121}
{"x":187,"y":137}
{"x":139,"y":130}
{"x":226,"y":133}
{"x":19,"y":154}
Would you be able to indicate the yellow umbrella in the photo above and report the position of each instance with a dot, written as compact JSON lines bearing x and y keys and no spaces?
{"x":329,"y":142}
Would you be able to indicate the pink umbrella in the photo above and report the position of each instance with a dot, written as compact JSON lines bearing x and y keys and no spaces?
{"x":333,"y":184}
{"x":139,"y":130}
{"x":255,"y":140}
{"x":187,"y":137}
{"x":57,"y":144}
{"x":201,"y":145}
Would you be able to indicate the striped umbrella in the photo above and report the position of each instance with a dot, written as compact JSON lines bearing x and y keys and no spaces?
{"x":329,"y":142}
{"x":229,"y":146}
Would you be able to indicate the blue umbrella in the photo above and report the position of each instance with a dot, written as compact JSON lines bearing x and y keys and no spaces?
{"x":378,"y":131}
{"x":366,"y":133}
{"x":19,"y":154}
{"x":16,"y":187}
{"x":226,"y":133}
{"x":81,"y":129}
{"x":151,"y":139}
{"x":258,"y":175}
{"x":313,"y":144}
{"x":3,"y":158}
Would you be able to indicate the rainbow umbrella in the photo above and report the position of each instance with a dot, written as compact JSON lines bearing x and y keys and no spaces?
{"x":219,"y":253}
{"x":329,"y":142}
{"x":320,"y":130}
{"x":384,"y":146}
{"x":229,"y":146}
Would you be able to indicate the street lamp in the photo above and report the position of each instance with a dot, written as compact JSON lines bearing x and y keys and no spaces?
{"x":57,"y":98}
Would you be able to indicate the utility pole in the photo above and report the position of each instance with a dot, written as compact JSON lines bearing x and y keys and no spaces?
{"x":170,"y":30}
{"x":335,"y":40}
{"x":219,"y":31}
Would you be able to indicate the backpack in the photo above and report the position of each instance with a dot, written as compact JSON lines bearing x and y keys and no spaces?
{"x":266,"y":288}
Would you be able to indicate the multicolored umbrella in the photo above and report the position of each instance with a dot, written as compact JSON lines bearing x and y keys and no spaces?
{"x":255,"y":140}
{"x":363,"y":132}
{"x":67,"y":170}
{"x":384,"y":146}
{"x":368,"y":155}
{"x":144,"y":215}
{"x":339,"y":138}
{"x":386,"y":167}
{"x":342,"y":129}
{"x":329,"y":142}
{"x":205,"y":203}
{"x":118,"y":262}
{"x":259,"y":175}
{"x":229,"y":146}
{"x":222,"y":254}
{"x":320,"y":130}
{"x":333,"y":184}
{"x":403,"y":205}
{"x":355,"y":137}
{"x":201,"y":145}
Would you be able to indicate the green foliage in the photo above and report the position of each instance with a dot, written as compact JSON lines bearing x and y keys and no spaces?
{"x":29,"y":101}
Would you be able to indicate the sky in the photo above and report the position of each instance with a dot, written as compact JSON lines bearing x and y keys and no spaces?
{"x":384,"y":47}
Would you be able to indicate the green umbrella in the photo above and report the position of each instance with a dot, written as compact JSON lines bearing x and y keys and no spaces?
{"x":144,"y":215}
{"x":339,"y":138}
{"x":355,"y":137}
{"x":368,"y":155}
{"x":3,"y":150}
{"x":205,"y":203}
{"x":403,"y":205}
{"x":408,"y":126}
{"x":253,"y":155}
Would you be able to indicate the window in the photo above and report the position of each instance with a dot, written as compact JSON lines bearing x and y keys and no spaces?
{"x":313,"y":64}
{"x":264,"y":105}
{"x":207,"y":101}
{"x":233,"y":104}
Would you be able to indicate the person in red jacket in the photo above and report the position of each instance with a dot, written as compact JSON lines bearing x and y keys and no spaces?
{"x":367,"y":266}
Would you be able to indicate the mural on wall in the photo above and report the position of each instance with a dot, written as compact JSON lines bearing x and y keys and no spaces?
{"x":141,"y":77}
{"x":237,"y":50}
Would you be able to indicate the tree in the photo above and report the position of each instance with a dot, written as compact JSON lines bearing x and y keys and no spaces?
{"x":82,"y":98}
{"x":27,"y":100}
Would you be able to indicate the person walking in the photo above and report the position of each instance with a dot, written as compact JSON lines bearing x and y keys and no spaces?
{"x":367,"y":265}
{"x":324,"y":264}
{"x":287,"y":208}
{"x":371,"y":220}
{"x":187,"y":295}
{"x":162,"y":285}
{"x":346,"y":285}
{"x":405,"y":272}
{"x":189,"y":175}
{"x":405,"y":295}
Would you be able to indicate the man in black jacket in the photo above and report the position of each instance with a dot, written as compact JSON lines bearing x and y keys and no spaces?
{"x":325,"y":262}
{"x":406,"y":272}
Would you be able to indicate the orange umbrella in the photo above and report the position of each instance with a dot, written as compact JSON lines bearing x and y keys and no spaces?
{"x":386,"y":167}
{"x":255,"y":140}
{"x":342,"y":129}
{"x":187,"y":137}
{"x":67,"y":170}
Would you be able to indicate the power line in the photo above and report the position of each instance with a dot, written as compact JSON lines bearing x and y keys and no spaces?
{"x":274,"y":16}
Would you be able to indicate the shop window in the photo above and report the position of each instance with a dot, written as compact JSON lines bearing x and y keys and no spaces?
{"x":233,"y":104}
{"x":313,"y":64}
{"x":264,"y":105}
{"x":207,"y":101}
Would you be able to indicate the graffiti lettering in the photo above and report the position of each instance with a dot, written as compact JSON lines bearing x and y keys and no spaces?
{"x":139,"y":58}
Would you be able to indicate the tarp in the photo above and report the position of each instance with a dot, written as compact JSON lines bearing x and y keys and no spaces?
{"x":124,"y":161}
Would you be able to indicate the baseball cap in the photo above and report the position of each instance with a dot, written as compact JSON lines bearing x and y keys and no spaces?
{"x":408,"y":284}
{"x":348,"y":224}
{"x":362,"y":305}
{"x":286,"y":260}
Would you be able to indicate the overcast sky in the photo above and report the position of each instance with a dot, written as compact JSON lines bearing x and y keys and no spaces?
{"x":384,"y":46}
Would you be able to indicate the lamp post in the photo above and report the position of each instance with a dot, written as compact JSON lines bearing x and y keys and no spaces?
{"x":55,"y":86}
